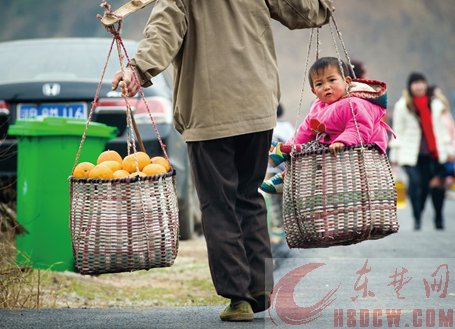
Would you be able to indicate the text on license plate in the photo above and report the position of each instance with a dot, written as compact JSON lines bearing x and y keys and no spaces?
{"x":71,"y":110}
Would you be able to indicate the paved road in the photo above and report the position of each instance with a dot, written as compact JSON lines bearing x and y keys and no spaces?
{"x":409,"y":254}
{"x":420,"y":253}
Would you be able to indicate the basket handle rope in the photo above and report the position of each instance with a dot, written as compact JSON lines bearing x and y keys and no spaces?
{"x":342,"y":73}
{"x":350,"y":66}
{"x":92,"y":108}
{"x":310,"y":43}
{"x":132,"y":132}
{"x":362,"y":149}
{"x":141,"y":93}
{"x":131,"y":123}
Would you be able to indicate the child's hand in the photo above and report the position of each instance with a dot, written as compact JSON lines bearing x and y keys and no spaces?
{"x":336,"y":147}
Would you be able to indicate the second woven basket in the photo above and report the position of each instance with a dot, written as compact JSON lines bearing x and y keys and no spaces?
{"x":340,"y":200}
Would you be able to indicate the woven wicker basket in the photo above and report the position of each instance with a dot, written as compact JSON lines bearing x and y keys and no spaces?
{"x":127,"y":224}
{"x":124,"y":224}
{"x":338,"y":200}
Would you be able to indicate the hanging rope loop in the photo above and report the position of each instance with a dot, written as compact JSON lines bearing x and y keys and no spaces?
{"x":318,"y":42}
{"x":132,"y":130}
{"x":332,"y":26}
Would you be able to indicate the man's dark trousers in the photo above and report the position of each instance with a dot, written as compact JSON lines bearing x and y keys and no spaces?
{"x":227,"y":174}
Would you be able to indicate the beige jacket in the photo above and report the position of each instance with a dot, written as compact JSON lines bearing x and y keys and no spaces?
{"x":225,"y":70}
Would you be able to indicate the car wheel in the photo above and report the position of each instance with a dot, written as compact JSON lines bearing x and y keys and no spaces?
{"x":189,"y":213}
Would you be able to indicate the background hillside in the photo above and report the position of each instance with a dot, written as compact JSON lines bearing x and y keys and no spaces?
{"x":392,"y":38}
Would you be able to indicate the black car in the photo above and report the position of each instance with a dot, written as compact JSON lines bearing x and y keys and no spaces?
{"x":59,"y":77}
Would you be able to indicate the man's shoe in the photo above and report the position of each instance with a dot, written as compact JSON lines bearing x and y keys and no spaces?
{"x":262,"y":302}
{"x":237,"y":312}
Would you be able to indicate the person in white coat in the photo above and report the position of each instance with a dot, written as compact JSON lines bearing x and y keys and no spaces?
{"x":422,"y":147}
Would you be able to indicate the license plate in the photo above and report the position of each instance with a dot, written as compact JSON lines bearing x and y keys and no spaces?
{"x":68,"y":110}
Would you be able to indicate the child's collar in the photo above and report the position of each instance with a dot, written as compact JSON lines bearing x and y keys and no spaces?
{"x":371,"y":90}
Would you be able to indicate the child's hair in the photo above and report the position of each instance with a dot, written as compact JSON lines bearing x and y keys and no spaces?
{"x":322,"y":63}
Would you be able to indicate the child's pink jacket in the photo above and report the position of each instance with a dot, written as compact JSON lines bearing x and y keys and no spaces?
{"x":336,"y":121}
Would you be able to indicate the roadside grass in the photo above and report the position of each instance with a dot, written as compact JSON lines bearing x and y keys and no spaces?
{"x":186,"y":283}
{"x":19,"y":287}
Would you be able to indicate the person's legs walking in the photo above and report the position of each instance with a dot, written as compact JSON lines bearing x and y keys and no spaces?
{"x":425,"y":173}
{"x":438,"y":196}
{"x":251,"y":160}
{"x":227,"y":173}
{"x":419,"y":177}
{"x":216,"y":181}
{"x":415,"y":192}
{"x":438,"y":192}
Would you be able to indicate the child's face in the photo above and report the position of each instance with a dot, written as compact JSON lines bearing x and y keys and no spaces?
{"x":329,"y":85}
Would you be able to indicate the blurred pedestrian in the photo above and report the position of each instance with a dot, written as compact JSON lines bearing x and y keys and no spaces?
{"x":423,"y":146}
{"x":359,"y":69}
{"x":447,"y":115}
{"x":450,"y":125}
{"x":283,"y":129}
{"x":282,"y":132}
{"x":226,"y":93}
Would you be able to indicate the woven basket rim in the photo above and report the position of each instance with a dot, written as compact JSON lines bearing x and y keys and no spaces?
{"x":122,"y":180}
{"x":325,"y":149}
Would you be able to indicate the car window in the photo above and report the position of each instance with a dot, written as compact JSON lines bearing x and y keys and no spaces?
{"x":61,"y":60}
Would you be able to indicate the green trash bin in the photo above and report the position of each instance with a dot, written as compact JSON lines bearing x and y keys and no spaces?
{"x":46,"y":153}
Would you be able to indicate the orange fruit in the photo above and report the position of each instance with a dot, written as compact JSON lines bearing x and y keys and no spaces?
{"x":121,"y":174}
{"x":154,"y":169}
{"x":101,"y":171}
{"x":114,"y":165}
{"x":162,"y":161}
{"x":129,"y":162}
{"x":138,"y":173}
{"x":82,"y":170}
{"x":109,"y":156}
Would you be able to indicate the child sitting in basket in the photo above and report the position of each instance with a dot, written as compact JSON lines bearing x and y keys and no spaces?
{"x":330,"y":120}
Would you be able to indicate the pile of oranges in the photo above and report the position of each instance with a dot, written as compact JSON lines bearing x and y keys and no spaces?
{"x":110,"y":165}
